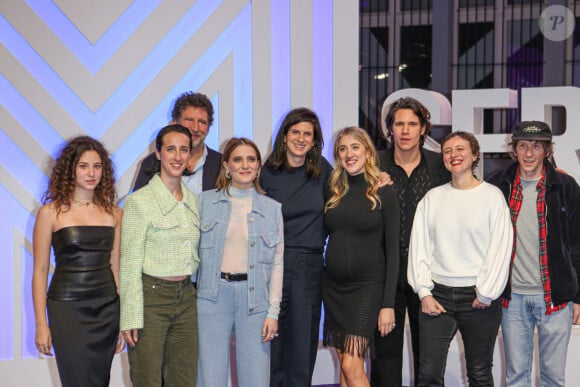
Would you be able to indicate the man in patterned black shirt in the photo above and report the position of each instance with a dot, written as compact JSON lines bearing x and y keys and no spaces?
{"x":413,"y":171}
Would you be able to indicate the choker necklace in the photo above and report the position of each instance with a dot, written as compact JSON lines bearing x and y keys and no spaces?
{"x":82,"y":203}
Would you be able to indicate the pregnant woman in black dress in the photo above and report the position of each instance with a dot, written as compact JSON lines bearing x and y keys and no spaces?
{"x":81,"y":221}
{"x":362,"y":257}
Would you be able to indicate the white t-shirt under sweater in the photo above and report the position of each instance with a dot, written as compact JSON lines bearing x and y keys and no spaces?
{"x":461,"y":238}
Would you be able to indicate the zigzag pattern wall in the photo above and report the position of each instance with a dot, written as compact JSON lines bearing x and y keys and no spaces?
{"x":112,"y":68}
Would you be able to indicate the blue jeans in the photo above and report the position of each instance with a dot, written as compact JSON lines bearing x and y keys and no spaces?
{"x":217,"y":321}
{"x":523,"y":314}
{"x":478,"y":327}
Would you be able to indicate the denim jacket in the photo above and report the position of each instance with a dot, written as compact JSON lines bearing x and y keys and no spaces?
{"x":265,"y":249}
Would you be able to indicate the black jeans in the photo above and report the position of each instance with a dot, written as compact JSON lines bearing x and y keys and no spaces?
{"x":387,"y":366}
{"x":478,"y":327}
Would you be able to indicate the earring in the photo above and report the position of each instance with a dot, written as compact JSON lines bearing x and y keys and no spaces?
{"x":228,"y":174}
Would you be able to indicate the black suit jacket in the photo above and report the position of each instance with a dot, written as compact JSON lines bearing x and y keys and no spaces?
{"x":211,"y":170}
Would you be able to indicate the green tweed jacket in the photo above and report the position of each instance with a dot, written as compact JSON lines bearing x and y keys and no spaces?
{"x":159,"y":237}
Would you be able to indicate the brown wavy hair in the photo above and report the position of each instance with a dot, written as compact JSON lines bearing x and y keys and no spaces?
{"x":278,"y":159}
{"x":338,"y":181}
{"x":223,"y":182}
{"x":61,"y":184}
{"x":547,"y":145}
{"x":418,"y":109}
{"x":191,"y":99}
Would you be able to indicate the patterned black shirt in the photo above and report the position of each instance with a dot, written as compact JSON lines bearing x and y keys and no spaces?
{"x":410,"y":190}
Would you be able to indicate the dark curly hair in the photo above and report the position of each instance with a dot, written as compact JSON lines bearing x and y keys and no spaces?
{"x":61,"y":185}
{"x":278,"y":158}
{"x":189,"y":98}
{"x":418,"y":109}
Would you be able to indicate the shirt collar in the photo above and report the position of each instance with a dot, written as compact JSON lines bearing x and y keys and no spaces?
{"x":201,"y":161}
{"x":258,"y":206}
{"x":166,"y":200}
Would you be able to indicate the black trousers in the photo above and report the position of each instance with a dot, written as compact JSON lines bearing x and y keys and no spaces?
{"x":387,"y":366}
{"x":293,"y":352}
{"x":478,"y":327}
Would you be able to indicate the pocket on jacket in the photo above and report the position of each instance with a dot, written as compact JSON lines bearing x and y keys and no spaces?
{"x":206,"y":239}
{"x":268,"y":246}
{"x":164,"y":224}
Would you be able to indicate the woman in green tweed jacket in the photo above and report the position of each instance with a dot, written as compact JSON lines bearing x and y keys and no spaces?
{"x":159,"y":238}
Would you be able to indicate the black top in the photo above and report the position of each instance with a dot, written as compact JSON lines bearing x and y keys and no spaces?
{"x":362,"y":264}
{"x":83,"y":269}
{"x":410,"y":190}
{"x":364,"y":241}
{"x":302,"y":201}
{"x":211,"y":170}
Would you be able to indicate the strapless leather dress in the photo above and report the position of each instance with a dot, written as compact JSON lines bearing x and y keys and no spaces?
{"x":83,"y":306}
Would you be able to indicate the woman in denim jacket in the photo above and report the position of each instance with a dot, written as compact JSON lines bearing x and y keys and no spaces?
{"x":240,"y":275}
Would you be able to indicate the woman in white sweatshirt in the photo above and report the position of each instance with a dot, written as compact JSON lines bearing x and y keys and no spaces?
{"x":458,"y":265}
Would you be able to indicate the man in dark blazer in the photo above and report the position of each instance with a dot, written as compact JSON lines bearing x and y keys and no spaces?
{"x":195,"y":112}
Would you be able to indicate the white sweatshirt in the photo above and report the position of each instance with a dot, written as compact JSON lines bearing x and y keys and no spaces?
{"x":461,"y":238}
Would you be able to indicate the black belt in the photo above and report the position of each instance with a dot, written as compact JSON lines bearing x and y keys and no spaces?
{"x":230,"y":277}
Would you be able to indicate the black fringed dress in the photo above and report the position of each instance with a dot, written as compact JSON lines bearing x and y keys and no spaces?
{"x":361,"y":267}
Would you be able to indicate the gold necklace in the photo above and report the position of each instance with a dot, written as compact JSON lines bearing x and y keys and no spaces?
{"x":82,"y":203}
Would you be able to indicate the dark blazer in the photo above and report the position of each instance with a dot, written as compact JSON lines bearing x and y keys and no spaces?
{"x":563,"y":224}
{"x":211,"y":170}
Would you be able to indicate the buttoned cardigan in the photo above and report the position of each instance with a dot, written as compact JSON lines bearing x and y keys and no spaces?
{"x":159,"y":237}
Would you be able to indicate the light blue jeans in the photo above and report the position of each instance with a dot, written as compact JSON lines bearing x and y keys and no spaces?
{"x":523,"y":314}
{"x":217,"y":321}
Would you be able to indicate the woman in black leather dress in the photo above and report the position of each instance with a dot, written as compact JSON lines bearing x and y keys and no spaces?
{"x":81,"y":221}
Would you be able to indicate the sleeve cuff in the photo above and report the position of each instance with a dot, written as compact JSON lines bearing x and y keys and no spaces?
{"x":483,"y":299}
{"x":424,"y":292}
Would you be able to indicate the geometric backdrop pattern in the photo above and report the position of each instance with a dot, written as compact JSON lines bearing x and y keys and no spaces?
{"x":112,"y":68}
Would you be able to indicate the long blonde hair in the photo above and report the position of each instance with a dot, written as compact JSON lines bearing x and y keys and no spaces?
{"x":338,"y":181}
